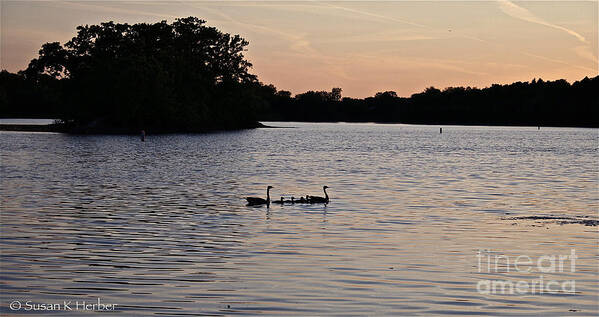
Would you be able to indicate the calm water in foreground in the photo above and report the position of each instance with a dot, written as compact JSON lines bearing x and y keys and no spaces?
{"x":161,"y":227}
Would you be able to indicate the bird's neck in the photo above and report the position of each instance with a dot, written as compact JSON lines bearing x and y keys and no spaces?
{"x":268,"y":194}
{"x":325,"y":193}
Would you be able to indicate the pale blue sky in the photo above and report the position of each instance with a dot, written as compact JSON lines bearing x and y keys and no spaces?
{"x":360,"y":46}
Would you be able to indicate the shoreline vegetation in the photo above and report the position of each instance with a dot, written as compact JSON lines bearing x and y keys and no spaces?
{"x":186,"y":77}
{"x":59,"y":128}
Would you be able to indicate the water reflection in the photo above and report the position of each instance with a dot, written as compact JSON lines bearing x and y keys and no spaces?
{"x":161,"y":227}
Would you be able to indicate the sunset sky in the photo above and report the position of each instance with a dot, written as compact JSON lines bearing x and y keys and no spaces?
{"x":361,"y":46}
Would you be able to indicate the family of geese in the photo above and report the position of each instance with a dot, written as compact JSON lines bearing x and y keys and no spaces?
{"x":256,"y":201}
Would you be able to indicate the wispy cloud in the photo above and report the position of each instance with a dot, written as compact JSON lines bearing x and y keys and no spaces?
{"x":553,"y":60}
{"x":584,"y":52}
{"x":381,"y":37}
{"x":374,"y":15}
{"x":521,"y":13}
{"x":110,"y":9}
{"x":297,"y":42}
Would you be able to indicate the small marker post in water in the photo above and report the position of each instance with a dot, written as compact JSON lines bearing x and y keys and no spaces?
{"x":440,"y":130}
{"x":143,"y":136}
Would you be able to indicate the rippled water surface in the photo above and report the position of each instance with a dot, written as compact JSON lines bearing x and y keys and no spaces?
{"x":161,"y":227}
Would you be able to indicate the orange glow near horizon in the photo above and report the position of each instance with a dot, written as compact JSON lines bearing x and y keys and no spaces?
{"x":363,"y":47}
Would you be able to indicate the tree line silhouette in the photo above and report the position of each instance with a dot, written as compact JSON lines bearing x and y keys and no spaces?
{"x":546,"y":103}
{"x":188,"y":77}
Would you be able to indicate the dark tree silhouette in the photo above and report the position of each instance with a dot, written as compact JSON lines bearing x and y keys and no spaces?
{"x":21,"y":98}
{"x":161,"y":77}
{"x":547,"y":103}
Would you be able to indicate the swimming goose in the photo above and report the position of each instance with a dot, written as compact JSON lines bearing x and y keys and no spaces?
{"x":255,"y":201}
{"x":318,"y":200}
{"x":281,"y":202}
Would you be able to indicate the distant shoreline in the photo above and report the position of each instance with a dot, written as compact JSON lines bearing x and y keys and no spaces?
{"x":57,"y":128}
{"x":440,"y":124}
{"x":32,"y":128}
{"x":61,"y":128}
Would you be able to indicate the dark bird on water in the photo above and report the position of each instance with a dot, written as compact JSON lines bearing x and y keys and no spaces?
{"x":282,"y":201}
{"x":316,"y":199}
{"x":255,"y":201}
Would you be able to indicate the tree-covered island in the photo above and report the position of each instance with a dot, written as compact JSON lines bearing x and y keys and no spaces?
{"x":119,"y":78}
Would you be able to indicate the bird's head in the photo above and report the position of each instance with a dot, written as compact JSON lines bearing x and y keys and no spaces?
{"x":325,"y":187}
{"x":269,"y":187}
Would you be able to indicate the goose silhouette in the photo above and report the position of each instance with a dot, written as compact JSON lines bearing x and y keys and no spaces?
{"x":319,"y":200}
{"x":255,"y":201}
{"x":280,"y":202}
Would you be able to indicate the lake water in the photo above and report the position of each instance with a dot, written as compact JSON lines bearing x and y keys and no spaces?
{"x":416,"y":224}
